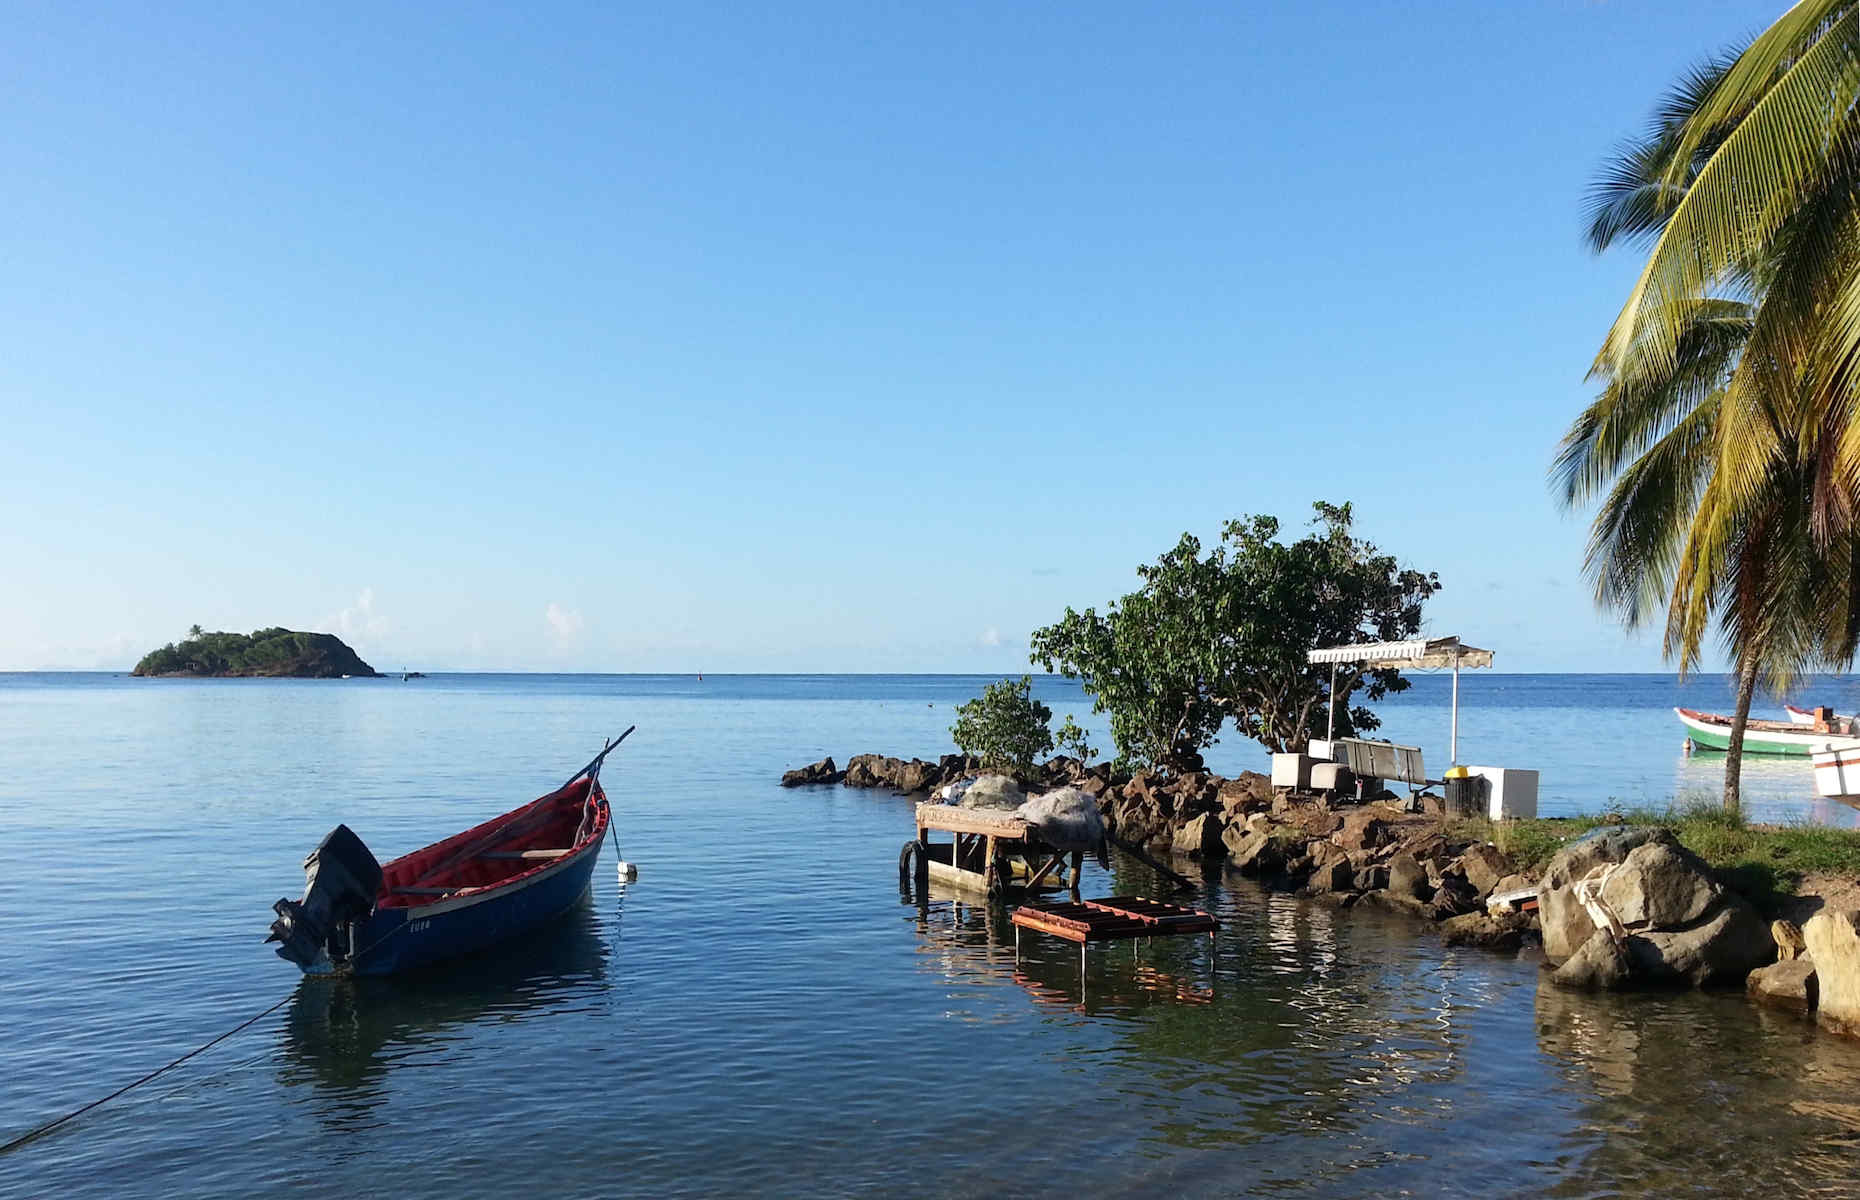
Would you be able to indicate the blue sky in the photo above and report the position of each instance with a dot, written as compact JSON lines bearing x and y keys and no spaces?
{"x":791,"y":337}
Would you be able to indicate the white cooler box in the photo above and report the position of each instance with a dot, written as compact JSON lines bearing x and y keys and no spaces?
{"x":1291,"y":771}
{"x":1513,"y":793}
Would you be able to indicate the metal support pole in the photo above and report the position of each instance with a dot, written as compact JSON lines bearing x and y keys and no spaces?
{"x":1330,"y":727}
{"x":1454,"y":743}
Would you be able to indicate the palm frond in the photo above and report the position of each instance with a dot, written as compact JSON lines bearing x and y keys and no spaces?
{"x":1747,"y":188}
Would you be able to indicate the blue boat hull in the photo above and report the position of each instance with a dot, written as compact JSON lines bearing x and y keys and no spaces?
{"x":393,"y":940}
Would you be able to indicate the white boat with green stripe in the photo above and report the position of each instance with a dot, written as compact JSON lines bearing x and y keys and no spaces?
{"x":1712,"y":731}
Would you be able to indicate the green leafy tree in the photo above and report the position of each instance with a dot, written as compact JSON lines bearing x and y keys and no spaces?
{"x":1005,"y":726}
{"x":1223,"y":636}
{"x":1071,"y":740}
{"x":194,"y":631}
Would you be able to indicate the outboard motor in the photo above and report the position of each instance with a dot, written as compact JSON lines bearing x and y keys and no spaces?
{"x":341,"y":879}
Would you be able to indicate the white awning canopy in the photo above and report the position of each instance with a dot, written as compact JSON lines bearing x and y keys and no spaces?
{"x":1445,"y":652}
{"x":1427,"y":653}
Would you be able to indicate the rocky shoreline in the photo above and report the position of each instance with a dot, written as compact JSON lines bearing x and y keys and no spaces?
{"x":1624,"y":907}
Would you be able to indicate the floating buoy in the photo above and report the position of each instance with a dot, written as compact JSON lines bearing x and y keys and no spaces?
{"x":628,"y":872}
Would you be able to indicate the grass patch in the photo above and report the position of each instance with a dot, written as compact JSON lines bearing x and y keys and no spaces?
{"x":1761,"y":861}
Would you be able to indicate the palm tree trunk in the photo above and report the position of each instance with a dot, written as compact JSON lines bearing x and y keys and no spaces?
{"x":1734,"y":751}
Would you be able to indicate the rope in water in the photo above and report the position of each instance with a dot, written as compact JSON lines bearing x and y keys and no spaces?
{"x":46,"y":1128}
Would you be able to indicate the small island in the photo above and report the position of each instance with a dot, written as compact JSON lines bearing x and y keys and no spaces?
{"x":277,"y":653}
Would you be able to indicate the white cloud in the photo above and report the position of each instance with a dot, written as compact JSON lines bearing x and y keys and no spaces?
{"x":991,"y":636}
{"x":565,"y":624}
{"x":359,"y":620}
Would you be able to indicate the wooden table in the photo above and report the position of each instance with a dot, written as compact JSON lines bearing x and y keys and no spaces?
{"x":990,"y":851}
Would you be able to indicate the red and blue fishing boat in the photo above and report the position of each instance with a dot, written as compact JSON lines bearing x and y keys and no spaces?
{"x":492,"y":882}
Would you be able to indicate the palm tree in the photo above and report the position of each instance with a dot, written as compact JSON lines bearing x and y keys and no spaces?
{"x":1715,"y":492}
{"x":194,"y":631}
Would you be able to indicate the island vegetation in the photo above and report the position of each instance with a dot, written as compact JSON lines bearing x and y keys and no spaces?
{"x":1222,"y":636}
{"x":271,"y":652}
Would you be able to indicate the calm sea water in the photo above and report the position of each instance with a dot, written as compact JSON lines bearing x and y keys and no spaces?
{"x":763,"y":1012}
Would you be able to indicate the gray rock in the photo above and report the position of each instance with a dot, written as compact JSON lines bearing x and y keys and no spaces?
{"x":1790,"y":984}
{"x":1565,"y":924}
{"x":916,"y":776}
{"x":1727,"y":946}
{"x":1597,"y":965}
{"x":1660,"y":886}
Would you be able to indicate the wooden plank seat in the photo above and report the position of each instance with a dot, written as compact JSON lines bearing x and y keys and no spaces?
{"x":526,"y":853}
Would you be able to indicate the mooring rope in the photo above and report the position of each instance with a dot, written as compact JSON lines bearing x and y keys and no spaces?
{"x":46,"y":1128}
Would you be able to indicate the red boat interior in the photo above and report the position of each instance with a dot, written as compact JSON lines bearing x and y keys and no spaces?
{"x":500,"y":851}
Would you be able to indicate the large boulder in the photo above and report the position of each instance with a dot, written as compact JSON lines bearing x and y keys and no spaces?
{"x":1566,"y":924}
{"x":1726,"y":946}
{"x":1676,"y":923}
{"x":1833,"y":937}
{"x":1597,"y":965}
{"x":1661,"y":886}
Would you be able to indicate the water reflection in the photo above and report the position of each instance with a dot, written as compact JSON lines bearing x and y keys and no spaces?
{"x":1709,"y":1088}
{"x":343,"y":1037}
{"x":1776,"y":790}
{"x":1294,"y":1018}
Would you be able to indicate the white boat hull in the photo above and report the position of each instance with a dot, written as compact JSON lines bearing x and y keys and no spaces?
{"x":1837,"y":770}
